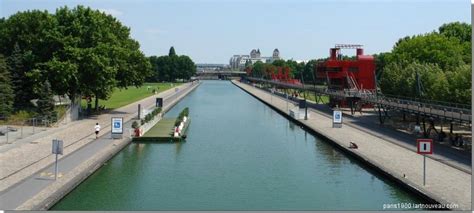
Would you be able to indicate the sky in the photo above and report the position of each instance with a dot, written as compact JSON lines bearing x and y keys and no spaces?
{"x":211,"y":31}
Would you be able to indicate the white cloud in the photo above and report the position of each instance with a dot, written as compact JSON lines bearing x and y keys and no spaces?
{"x":113,"y":12}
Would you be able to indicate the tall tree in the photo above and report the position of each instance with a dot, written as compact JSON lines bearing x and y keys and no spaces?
{"x":429,"y":48}
{"x":461,"y":31}
{"x":45,"y":103}
{"x":6,"y":92}
{"x":172,"y":52}
{"x":101,"y":47}
{"x":22,"y":85}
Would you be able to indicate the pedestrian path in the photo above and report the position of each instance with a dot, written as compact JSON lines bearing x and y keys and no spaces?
{"x":457,"y":158}
{"x":41,"y":184}
{"x":22,"y":159}
{"x":444,"y":183}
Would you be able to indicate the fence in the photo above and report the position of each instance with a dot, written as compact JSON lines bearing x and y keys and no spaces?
{"x":13,"y":130}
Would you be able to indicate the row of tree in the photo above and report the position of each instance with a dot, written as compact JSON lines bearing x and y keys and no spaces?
{"x":435,"y":65}
{"x":79,"y":52}
{"x":171,"y":67}
{"x":301,"y":71}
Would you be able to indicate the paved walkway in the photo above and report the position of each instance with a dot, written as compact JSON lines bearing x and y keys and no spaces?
{"x":26,"y":169}
{"x":369,"y":123}
{"x":444,"y":183}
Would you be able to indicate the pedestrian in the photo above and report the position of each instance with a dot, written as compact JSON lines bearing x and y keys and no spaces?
{"x":97,"y":129}
{"x":353,"y":145}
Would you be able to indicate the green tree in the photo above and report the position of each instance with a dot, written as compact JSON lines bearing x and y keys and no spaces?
{"x":45,"y":103}
{"x":429,"y":48}
{"x":80,"y":51}
{"x":459,"y":84}
{"x":22,"y":85}
{"x":186,"y":67}
{"x":461,"y":31}
{"x":101,"y":48}
{"x":172,"y":52}
{"x":6,"y":92}
{"x":258,"y":69}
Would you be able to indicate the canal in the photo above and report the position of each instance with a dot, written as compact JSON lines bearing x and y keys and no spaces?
{"x":239,"y":155}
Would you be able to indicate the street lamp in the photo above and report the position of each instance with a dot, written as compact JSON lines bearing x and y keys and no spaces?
{"x":304,"y":95}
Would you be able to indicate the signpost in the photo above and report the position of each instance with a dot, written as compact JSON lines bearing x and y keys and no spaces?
{"x":424,"y":147}
{"x":117,"y":127}
{"x":337,"y":118}
{"x":159,"y":102}
{"x":58,"y":150}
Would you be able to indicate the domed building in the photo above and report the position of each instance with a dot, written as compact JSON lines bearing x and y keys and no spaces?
{"x":239,"y":61}
{"x":276,"y":54}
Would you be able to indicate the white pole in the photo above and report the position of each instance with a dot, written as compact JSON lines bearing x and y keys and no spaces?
{"x":56,"y":168}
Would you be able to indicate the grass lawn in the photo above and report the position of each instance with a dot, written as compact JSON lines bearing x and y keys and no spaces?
{"x":122,"y":97}
{"x":164,"y":128}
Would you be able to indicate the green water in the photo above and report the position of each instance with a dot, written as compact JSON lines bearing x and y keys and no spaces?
{"x":239,"y":155}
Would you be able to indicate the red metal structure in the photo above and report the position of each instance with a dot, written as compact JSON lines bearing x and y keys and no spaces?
{"x":283,"y":75}
{"x":348,"y":76}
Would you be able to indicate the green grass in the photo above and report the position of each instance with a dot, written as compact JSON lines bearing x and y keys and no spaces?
{"x":164,"y":128}
{"x":122,"y":97}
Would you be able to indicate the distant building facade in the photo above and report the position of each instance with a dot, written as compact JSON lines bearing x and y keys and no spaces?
{"x":239,"y":61}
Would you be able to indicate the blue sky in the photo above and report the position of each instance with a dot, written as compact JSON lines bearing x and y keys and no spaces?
{"x":211,"y":31}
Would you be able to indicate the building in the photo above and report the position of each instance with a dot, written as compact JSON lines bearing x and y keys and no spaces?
{"x":211,"y":67}
{"x":239,"y":61}
{"x":348,"y":75}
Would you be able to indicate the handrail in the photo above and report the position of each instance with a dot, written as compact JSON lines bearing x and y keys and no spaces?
{"x":389,"y":100}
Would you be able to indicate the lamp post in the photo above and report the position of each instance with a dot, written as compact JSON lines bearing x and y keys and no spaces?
{"x":304,"y":95}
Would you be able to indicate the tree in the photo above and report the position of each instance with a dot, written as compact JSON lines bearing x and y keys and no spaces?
{"x":172,"y":52}
{"x":439,"y":61}
{"x":429,"y":48}
{"x":155,"y":75}
{"x":461,"y":31}
{"x":45,"y":103}
{"x":80,"y":51}
{"x":172,"y":67}
{"x":258,"y":69}
{"x":186,"y":67}
{"x":6,"y":92}
{"x":101,"y":47}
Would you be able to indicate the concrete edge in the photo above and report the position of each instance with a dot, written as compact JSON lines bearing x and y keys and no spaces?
{"x":389,"y":140}
{"x":407,"y":184}
{"x":49,"y":196}
{"x":51,"y":160}
{"x":55,"y":192}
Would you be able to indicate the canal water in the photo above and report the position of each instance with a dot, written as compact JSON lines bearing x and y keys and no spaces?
{"x":239,"y":155}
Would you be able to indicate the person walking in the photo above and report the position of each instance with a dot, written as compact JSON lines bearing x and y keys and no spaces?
{"x":97,"y":129}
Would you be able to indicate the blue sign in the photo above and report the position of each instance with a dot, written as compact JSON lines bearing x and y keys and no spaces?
{"x":117,"y":127}
{"x":337,"y":117}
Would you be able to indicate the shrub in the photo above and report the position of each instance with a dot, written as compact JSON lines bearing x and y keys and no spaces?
{"x":135,"y":125}
{"x":181,"y":115}
{"x":142,"y":122}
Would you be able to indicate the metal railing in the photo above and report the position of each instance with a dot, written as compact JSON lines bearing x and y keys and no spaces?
{"x":450,"y":111}
{"x":11,"y":131}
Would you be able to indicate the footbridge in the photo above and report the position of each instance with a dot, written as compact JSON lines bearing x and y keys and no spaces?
{"x":449,"y":112}
{"x":219,"y":74}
